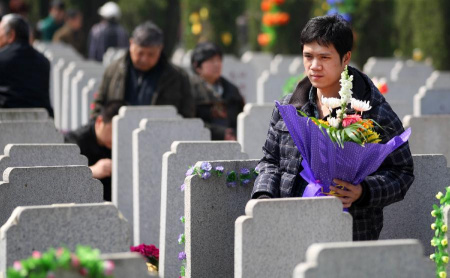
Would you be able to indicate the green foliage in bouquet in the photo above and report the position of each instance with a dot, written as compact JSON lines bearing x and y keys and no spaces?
{"x":85,"y":261}
{"x":440,"y":240}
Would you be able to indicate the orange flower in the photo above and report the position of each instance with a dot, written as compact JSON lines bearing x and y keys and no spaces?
{"x":279,"y":2}
{"x":268,"y":19}
{"x":263,"y":39}
{"x":283,"y":18}
{"x":266,"y":5}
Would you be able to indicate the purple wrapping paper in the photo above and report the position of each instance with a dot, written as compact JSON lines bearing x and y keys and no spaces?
{"x":324,"y":160}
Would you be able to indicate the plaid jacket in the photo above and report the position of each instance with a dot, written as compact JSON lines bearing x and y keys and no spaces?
{"x":281,"y":164}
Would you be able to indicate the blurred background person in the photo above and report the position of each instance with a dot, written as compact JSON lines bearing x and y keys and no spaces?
{"x":108,"y":33}
{"x":55,"y":20}
{"x":71,"y":33}
{"x":24,"y":72}
{"x":218,"y":101}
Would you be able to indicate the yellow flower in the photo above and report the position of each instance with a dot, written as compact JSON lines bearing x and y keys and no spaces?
{"x":433,"y":226}
{"x":439,"y":195}
{"x":444,"y":242}
{"x":444,"y":259}
{"x":196,"y":29}
{"x":227,"y":38}
{"x":433,"y":243}
{"x":444,"y":228}
{"x":194,"y":18}
{"x":442,"y":274}
{"x":204,"y":13}
{"x":432,"y":256}
{"x":433,"y":213}
{"x":323,"y":122}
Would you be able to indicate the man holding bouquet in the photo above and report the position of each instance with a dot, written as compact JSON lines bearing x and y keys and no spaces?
{"x":326,"y":44}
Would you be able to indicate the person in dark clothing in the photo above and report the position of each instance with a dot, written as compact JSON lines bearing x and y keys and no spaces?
{"x":55,"y":20}
{"x":326,"y":45}
{"x":71,"y":33}
{"x":24,"y":72}
{"x":95,"y":142}
{"x":144,"y":76}
{"x":218,"y":101}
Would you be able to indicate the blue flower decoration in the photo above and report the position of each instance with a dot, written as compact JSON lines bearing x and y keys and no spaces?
{"x":182,"y":187}
{"x":190,"y":171}
{"x":231,"y":184}
{"x":206,"y":175}
{"x":182,"y":256}
{"x":246,"y":181}
{"x":206,"y":166}
{"x":181,"y":239}
{"x":245,"y":171}
{"x":220,"y":169}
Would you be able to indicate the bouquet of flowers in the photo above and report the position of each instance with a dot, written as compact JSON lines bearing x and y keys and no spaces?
{"x":150,"y":252}
{"x":344,"y":147}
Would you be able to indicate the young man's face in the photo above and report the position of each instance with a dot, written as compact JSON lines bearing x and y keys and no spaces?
{"x":323,"y":66}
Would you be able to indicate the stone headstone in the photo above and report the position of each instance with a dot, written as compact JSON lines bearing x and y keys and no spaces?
{"x":429,"y":134}
{"x":35,"y":186}
{"x":29,"y":155}
{"x":122,"y":160}
{"x":286,"y":64}
{"x":39,"y":228}
{"x":439,"y":80}
{"x":270,"y":87}
{"x":431,"y":101}
{"x":23,"y":114}
{"x":411,"y":218}
{"x":174,"y":166}
{"x":150,"y":142}
{"x":382,"y":259}
{"x":286,"y":227}
{"x":87,"y":97}
{"x":243,"y":76}
{"x":252,"y":127}
{"x":379,"y":67}
{"x":29,"y":132}
{"x":127,"y":264}
{"x":211,"y":209}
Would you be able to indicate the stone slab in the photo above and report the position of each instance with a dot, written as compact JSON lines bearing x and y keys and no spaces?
{"x":431,"y":101}
{"x":23,"y":114}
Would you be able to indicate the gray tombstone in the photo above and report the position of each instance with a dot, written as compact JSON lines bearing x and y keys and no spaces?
{"x":28,"y":155}
{"x":439,"y":80}
{"x":87,"y":97}
{"x":429,"y":134}
{"x":150,"y":142}
{"x":379,"y":67}
{"x":211,"y":209}
{"x":431,"y":101}
{"x":29,"y":132}
{"x":269,"y":87}
{"x":31,"y":228}
{"x":366,"y":259}
{"x":243,"y":76}
{"x":286,"y":227}
{"x":23,"y":114}
{"x":411,"y":218}
{"x":174,"y":166}
{"x":122,"y":160}
{"x":252,"y":126}
{"x":34,"y":186}
{"x":127,"y":264}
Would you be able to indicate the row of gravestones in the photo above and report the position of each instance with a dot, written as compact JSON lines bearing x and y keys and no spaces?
{"x":205,"y":209}
{"x":73,"y":83}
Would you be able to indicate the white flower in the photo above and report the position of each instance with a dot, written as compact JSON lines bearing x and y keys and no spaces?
{"x":339,"y":113}
{"x":360,"y":105}
{"x":346,"y":82}
{"x":331,"y":102}
{"x":334,"y":122}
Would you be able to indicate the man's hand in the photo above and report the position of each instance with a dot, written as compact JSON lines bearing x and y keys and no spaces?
{"x":101,"y":169}
{"x":349,"y":194}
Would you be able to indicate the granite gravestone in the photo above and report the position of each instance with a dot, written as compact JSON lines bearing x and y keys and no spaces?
{"x":122,"y":160}
{"x":32,"y":186}
{"x":366,"y":259}
{"x":38,"y":228}
{"x":286,"y":227}
{"x":211,"y":209}
{"x":150,"y":142}
{"x":252,"y":127}
{"x":174,"y":166}
{"x":23,"y":114}
{"x":28,"y":155}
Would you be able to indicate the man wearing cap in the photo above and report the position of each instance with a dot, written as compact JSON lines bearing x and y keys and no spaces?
{"x":144,"y":75}
{"x":108,"y":33}
{"x":55,"y":20}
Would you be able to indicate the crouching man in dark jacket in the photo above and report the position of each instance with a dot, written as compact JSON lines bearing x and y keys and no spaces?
{"x":326,"y":45}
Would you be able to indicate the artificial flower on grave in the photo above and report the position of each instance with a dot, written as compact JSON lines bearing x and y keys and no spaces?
{"x":272,"y":18}
{"x":381,"y":85}
{"x":151,"y":253}
{"x":440,"y":238}
{"x":85,"y":261}
{"x":343,"y":147}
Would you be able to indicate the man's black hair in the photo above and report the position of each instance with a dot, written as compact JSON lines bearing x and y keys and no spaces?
{"x":329,"y":30}
{"x":148,"y":34}
{"x":72,"y":13}
{"x":203,"y":52}
{"x":58,"y":4}
{"x":19,"y":25}
{"x":111,"y":109}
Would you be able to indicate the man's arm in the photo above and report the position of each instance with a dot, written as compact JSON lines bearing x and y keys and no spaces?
{"x":267,"y":184}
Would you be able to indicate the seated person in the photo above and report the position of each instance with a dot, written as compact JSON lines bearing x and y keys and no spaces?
{"x":95,"y":142}
{"x":218,"y":102}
